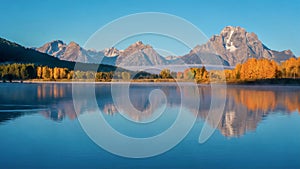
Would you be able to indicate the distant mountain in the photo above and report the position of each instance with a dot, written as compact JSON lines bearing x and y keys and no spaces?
{"x":200,"y":57}
{"x":111,"y":52}
{"x":236,"y":45}
{"x":233,"y":45}
{"x":73,"y":52}
{"x":11,"y":52}
{"x":54,"y":48}
{"x":171,"y":58}
{"x":139,"y":54}
{"x":136,"y":54}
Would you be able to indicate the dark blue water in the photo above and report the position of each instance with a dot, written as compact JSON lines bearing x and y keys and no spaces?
{"x":260,"y":128}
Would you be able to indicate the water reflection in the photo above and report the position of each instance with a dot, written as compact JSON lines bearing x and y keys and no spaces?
{"x":6,"y":116}
{"x":245,"y":107}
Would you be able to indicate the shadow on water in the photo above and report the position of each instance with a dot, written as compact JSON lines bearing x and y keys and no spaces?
{"x":246,"y":106}
{"x":10,"y":111}
{"x":6,"y":116}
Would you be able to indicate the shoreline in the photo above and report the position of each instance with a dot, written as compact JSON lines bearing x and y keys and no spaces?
{"x":248,"y":83}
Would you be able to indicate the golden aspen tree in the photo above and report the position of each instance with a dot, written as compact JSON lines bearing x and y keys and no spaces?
{"x":56,"y":73}
{"x":51,"y":73}
{"x":39,"y":72}
{"x":63,"y":73}
{"x":46,"y":72}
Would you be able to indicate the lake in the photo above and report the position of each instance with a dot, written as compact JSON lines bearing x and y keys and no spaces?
{"x":41,"y":128}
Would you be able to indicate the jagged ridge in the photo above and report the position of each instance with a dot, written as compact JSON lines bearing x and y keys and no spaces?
{"x":233,"y":45}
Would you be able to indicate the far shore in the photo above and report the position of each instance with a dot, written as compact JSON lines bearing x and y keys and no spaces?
{"x":262,"y":82}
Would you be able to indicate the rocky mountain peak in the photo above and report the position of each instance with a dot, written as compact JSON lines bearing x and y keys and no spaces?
{"x":288,"y":52}
{"x":135,"y":47}
{"x":233,"y":45}
{"x":73,"y":44}
{"x":236,"y":45}
{"x":229,"y":29}
{"x":171,"y":57}
{"x":53,"y":48}
{"x":139,"y":45}
{"x":111,"y":52}
{"x":56,"y":43}
{"x":139,"y":54}
{"x":234,"y":37}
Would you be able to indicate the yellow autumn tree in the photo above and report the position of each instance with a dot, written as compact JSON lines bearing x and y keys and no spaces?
{"x":63,"y":73}
{"x":39,"y":72}
{"x":290,"y":68}
{"x":56,"y":73}
{"x":46,"y":72}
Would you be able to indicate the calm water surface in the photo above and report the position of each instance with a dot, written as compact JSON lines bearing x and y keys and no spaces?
{"x":260,"y":127}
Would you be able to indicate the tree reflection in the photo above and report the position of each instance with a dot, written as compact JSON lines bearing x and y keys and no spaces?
{"x":245,"y":106}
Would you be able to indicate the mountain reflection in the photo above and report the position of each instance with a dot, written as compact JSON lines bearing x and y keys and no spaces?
{"x":245,"y":107}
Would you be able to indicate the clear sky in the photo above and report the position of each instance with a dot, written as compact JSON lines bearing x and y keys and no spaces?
{"x":34,"y":22}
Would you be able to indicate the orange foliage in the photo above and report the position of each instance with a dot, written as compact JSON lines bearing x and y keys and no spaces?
{"x":265,"y":100}
{"x":291,"y":68}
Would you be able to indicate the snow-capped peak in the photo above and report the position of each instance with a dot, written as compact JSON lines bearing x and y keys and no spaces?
{"x":229,"y":44}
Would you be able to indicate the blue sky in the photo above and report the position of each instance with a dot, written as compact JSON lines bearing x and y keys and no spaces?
{"x":34,"y":22}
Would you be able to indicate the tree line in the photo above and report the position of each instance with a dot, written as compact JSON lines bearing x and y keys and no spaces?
{"x":252,"y":69}
{"x":17,"y":72}
{"x":257,"y":69}
{"x":192,"y":74}
{"x":22,"y":72}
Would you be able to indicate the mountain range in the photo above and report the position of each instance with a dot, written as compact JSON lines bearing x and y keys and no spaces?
{"x":11,"y":52}
{"x":232,"y":46}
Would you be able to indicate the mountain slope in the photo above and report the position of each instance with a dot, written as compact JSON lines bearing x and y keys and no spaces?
{"x":236,"y":45}
{"x":136,"y":54}
{"x":196,"y":56}
{"x":14,"y":53}
{"x":139,"y":54}
{"x":73,"y":52}
{"x":54,"y":48}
